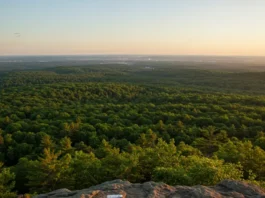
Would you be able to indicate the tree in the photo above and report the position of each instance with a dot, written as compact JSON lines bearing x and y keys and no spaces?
{"x":50,"y":173}
{"x":7,"y":182}
{"x":187,"y":150}
{"x":21,"y":171}
{"x":148,"y":139}
{"x":251,"y":157}
{"x":65,"y":145}
{"x":46,"y":142}
{"x":159,"y":155}
{"x":260,"y":142}
{"x":86,"y":170}
{"x":194,"y":170}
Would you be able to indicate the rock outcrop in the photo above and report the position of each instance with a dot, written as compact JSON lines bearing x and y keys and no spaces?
{"x":226,"y":188}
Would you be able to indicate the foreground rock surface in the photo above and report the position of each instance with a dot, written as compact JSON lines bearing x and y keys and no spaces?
{"x":226,"y":188}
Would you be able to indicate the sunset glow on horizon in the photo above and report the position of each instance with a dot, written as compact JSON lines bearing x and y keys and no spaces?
{"x":192,"y":27}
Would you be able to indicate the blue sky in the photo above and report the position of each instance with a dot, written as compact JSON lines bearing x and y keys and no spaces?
{"x":205,"y":27}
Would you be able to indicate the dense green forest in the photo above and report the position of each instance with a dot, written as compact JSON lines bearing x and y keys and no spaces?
{"x":74,"y":127}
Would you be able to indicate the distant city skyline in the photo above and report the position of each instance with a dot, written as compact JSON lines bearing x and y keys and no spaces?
{"x":166,"y":27}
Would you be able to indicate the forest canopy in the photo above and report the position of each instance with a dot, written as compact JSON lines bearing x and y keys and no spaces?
{"x":74,"y":127}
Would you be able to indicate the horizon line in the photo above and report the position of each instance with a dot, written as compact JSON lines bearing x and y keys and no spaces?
{"x":97,"y":54}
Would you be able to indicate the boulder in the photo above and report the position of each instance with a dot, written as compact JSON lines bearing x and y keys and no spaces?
{"x":225,"y":189}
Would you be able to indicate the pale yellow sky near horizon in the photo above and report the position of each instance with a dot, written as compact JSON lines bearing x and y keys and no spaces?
{"x":133,"y":27}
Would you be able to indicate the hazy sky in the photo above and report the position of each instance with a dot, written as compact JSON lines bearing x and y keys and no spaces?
{"x":199,"y":27}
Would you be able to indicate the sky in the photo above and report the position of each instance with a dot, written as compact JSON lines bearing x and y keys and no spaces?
{"x":168,"y":27}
